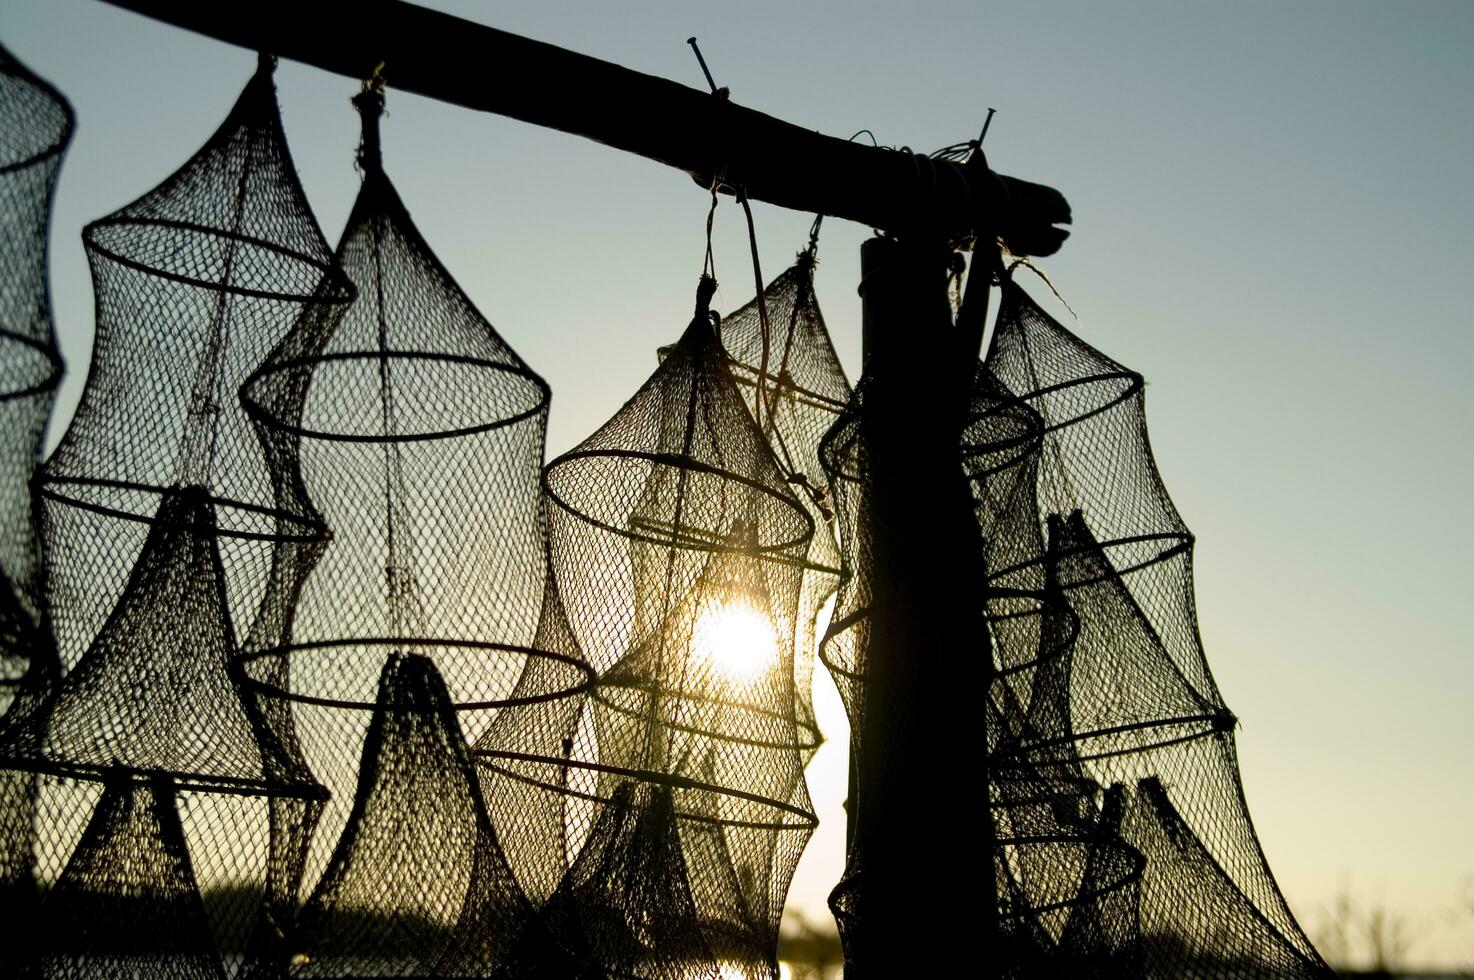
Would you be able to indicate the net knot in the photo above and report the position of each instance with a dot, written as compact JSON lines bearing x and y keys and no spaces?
{"x":706,"y":288}
{"x":370,"y":106}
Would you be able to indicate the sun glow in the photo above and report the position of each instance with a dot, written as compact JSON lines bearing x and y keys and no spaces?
{"x":736,"y":639}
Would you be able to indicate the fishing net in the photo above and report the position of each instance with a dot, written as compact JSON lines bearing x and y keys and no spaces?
{"x":35,"y":127}
{"x":127,"y":904}
{"x":1067,"y":883}
{"x":418,"y":883}
{"x":846,"y":463}
{"x":156,"y":696}
{"x":417,"y":434}
{"x":159,"y":499}
{"x":680,"y":552}
{"x":155,"y":692}
{"x":1121,"y":843}
{"x":195,"y":283}
{"x":1102,"y":681}
{"x":524,"y":755}
{"x":785,"y":366}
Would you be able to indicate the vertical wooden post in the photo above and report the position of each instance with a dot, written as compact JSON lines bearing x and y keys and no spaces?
{"x":921,"y":835}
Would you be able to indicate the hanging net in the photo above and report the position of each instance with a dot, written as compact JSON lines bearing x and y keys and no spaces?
{"x":680,"y":553}
{"x":417,"y":434}
{"x":127,"y":904}
{"x":35,"y":128}
{"x":418,"y":883}
{"x":795,"y":387}
{"x":195,"y":282}
{"x":159,"y":500}
{"x":1067,"y":883}
{"x":846,"y":463}
{"x":1102,"y":681}
{"x":1121,"y":843}
{"x":156,"y":696}
{"x":155,"y":692}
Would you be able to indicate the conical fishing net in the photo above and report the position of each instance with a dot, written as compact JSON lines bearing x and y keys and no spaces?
{"x":417,"y":433}
{"x":680,"y":551}
{"x":784,"y":363}
{"x":1067,"y":881}
{"x":418,"y":883}
{"x":35,"y":128}
{"x":156,"y":695}
{"x":524,"y":756}
{"x":627,"y":902}
{"x":127,"y":904}
{"x":1115,"y":806}
{"x":1102,"y":677}
{"x":155,"y":692}
{"x":195,"y":283}
{"x":159,"y":499}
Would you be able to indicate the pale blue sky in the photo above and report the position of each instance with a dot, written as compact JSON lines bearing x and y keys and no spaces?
{"x":1273,"y":208}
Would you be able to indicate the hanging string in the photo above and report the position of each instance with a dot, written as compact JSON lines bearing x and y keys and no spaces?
{"x":762,"y":390}
{"x":764,"y":329}
{"x":765,"y":395}
{"x":709,"y":267}
{"x":1021,"y":261}
{"x":370,"y":105}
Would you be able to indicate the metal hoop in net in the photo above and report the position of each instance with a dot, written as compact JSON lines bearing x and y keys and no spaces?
{"x":1120,"y":696}
{"x":417,"y":433}
{"x":680,"y":551}
{"x":418,"y":883}
{"x":159,"y":500}
{"x":792,"y":380}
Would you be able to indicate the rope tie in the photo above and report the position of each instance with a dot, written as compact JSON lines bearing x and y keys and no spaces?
{"x":370,"y":106}
{"x":1040,"y":273}
{"x":709,"y":266}
{"x":764,"y":329}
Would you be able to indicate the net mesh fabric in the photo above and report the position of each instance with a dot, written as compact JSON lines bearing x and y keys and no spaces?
{"x":1115,"y":804}
{"x":155,"y":693}
{"x":156,"y":697}
{"x":195,"y":282}
{"x":494,"y":809}
{"x":417,"y":434}
{"x":417,"y":883}
{"x":160,"y":517}
{"x":35,"y":127}
{"x":127,"y":903}
{"x":797,"y":378}
{"x":1102,"y":680}
{"x":680,"y":553}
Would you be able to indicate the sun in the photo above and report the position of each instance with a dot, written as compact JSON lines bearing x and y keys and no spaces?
{"x":736,"y":639}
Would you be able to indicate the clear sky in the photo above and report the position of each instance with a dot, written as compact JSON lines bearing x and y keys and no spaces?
{"x":1273,"y":208}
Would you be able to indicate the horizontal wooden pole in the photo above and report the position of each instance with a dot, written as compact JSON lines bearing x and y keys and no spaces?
{"x":478,"y":67}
